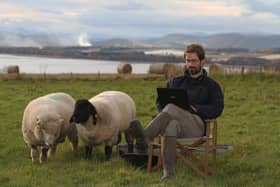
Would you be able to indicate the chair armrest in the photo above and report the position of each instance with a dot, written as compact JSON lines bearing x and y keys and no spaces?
{"x":211,"y":120}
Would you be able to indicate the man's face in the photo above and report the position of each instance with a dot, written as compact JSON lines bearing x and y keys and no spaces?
{"x":194,"y":65}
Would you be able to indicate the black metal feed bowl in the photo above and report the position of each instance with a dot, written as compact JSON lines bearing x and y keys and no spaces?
{"x":136,"y":158}
{"x":140,"y":159}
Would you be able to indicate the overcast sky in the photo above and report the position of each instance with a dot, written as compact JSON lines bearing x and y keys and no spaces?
{"x":140,"y":18}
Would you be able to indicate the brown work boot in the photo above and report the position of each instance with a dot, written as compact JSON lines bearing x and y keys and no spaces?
{"x":168,"y":156}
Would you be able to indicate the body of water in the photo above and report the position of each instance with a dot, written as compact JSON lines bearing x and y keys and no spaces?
{"x":30,"y":64}
{"x":166,"y":52}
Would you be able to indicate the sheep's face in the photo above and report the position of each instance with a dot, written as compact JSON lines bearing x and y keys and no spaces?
{"x":49,"y":130}
{"x":82,"y":112}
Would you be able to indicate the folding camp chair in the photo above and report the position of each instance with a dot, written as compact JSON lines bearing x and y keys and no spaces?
{"x":188,"y":147}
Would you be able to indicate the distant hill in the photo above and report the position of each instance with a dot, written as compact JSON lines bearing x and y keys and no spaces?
{"x":179,"y":41}
{"x":253,"y":42}
{"x":172,"y":40}
{"x":234,"y":40}
{"x":230,"y":40}
{"x":117,"y":42}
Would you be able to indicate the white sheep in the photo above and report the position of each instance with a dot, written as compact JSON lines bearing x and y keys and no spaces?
{"x":46,"y":122}
{"x":102,"y":119}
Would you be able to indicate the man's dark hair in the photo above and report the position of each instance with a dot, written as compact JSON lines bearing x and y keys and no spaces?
{"x":195,"y":48}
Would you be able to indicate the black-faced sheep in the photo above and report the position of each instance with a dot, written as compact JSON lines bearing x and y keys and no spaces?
{"x":46,"y":123}
{"x":102,"y":119}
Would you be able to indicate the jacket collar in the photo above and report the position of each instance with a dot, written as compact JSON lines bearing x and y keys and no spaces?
{"x":204,"y":74}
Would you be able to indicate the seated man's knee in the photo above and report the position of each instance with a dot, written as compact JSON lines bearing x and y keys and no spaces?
{"x":172,"y":129}
{"x":170,"y":108}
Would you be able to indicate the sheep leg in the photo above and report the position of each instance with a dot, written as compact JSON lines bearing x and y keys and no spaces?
{"x":119,"y":138}
{"x":129,"y":141}
{"x":52,"y":151}
{"x":108,"y":152}
{"x":43,"y":156}
{"x":34,"y":154}
{"x":73,"y":138}
{"x":88,"y":152}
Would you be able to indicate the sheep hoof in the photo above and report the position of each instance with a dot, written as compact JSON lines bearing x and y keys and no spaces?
{"x":107,"y":158}
{"x":42,"y":161}
{"x":108,"y":152}
{"x":35,"y":160}
{"x":88,"y":152}
{"x":87,"y":158}
{"x":75,"y":151}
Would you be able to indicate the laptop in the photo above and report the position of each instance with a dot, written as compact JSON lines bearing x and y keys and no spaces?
{"x":176,"y":96}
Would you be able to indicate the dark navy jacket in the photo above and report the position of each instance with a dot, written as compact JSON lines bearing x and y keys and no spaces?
{"x":204,"y":94}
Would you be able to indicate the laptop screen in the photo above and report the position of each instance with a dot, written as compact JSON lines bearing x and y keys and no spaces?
{"x":177,"y":96}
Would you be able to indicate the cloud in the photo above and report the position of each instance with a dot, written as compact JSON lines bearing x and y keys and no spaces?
{"x":203,"y":8}
{"x":270,"y":6}
{"x":140,"y":17}
{"x":126,"y":5}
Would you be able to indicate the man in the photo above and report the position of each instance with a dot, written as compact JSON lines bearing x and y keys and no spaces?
{"x":206,"y":102}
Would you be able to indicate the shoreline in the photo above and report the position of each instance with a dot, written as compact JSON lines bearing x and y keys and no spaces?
{"x":87,"y":59}
{"x":80,"y":76}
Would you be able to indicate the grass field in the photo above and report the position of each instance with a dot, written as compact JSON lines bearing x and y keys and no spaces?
{"x":250,"y":122}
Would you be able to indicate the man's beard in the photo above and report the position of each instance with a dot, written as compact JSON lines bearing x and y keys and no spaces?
{"x":194,"y":71}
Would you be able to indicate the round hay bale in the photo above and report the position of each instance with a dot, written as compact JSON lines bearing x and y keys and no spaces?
{"x":169,"y":70}
{"x":124,"y":68}
{"x":180,"y":69}
{"x":216,"y":69}
{"x":11,"y":69}
{"x":158,"y":68}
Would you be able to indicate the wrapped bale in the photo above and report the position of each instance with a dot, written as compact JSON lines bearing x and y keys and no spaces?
{"x":216,"y":69}
{"x":11,"y":69}
{"x":169,"y":70}
{"x":180,"y":69}
{"x":277,"y":69}
{"x":158,"y":68}
{"x":124,"y":68}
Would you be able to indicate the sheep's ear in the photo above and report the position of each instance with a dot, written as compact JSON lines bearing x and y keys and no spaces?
{"x":90,"y":108}
{"x":71,"y":119}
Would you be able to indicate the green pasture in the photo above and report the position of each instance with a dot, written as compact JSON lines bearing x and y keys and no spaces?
{"x":250,"y":122}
